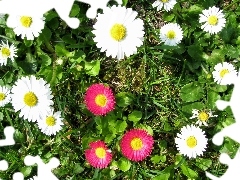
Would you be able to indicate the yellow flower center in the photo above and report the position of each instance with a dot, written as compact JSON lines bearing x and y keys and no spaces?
{"x":26,"y":21}
{"x":30,"y":99}
{"x":100,"y":152}
{"x":164,"y":1}
{"x":101,"y":100}
{"x":203,"y":116}
{"x":171,"y":34}
{"x":223,"y":72}
{"x":50,"y":121}
{"x":136,"y":144}
{"x":6,"y":52}
{"x":118,"y":32}
{"x":191,"y":142}
{"x":212,"y":20}
{"x":2,"y":96}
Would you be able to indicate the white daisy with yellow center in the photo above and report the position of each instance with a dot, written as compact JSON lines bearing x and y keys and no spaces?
{"x":224,"y":73}
{"x":213,"y":19}
{"x":26,"y":26}
{"x":202,"y":116}
{"x":32,"y":97}
{"x":191,"y":141}
{"x":6,"y":52}
{"x":51,"y":123}
{"x":166,"y":4}
{"x":5,"y":96}
{"x":171,"y":34}
{"x":118,"y":32}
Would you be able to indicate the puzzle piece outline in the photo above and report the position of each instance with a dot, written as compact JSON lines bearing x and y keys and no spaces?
{"x":230,"y":131}
{"x":40,"y":7}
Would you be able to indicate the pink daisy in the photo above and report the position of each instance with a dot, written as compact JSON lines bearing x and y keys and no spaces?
{"x":98,"y":155}
{"x":136,"y":144}
{"x":99,"y":99}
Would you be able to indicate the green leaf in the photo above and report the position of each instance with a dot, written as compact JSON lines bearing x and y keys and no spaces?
{"x":68,"y":39}
{"x":124,"y":2}
{"x":168,"y":16}
{"x":121,"y":126}
{"x":124,"y":99}
{"x":191,"y":92}
{"x":156,"y":159}
{"x":10,"y":33}
{"x":28,"y":43}
{"x":217,"y":56}
{"x":78,"y":168}
{"x":135,"y":116}
{"x":61,"y":51}
{"x":92,"y":68}
{"x":46,"y":60}
{"x":46,"y":34}
{"x":124,"y":164}
{"x":219,"y":88}
{"x":109,"y":137}
{"x":1,"y":116}
{"x":188,"y":172}
{"x":19,"y":137}
{"x":75,"y":10}
{"x":196,"y":52}
{"x":26,"y":170}
{"x":188,"y":107}
{"x":203,"y":164}
{"x":212,"y":97}
{"x":164,"y":176}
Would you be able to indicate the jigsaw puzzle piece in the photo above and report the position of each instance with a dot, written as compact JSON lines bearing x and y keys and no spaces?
{"x":233,"y":167}
{"x":44,"y":170}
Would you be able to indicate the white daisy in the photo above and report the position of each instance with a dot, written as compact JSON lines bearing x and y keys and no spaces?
{"x":213,"y":20}
{"x":202,"y":116}
{"x":224,"y":73}
{"x":166,"y":4}
{"x":118,"y":32}
{"x":51,"y":123}
{"x":26,"y":26}
{"x":31,"y":97}
{"x":191,"y":142}
{"x":6,"y":52}
{"x":5,"y":96}
{"x":171,"y":34}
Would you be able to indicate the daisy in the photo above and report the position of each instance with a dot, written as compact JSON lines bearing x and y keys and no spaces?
{"x":171,"y":34}
{"x":191,"y":142}
{"x":118,"y":32}
{"x":213,"y":20}
{"x":136,"y":144}
{"x":224,"y":73}
{"x":98,"y":155}
{"x":51,"y":123}
{"x":5,"y":96}
{"x":32,"y":97}
{"x":166,"y":4}
{"x":6,"y":52}
{"x":202,"y":116}
{"x":99,"y":99}
{"x":26,"y":26}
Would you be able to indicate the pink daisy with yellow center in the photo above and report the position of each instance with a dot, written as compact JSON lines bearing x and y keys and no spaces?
{"x":99,"y":99}
{"x":98,"y":155}
{"x":136,"y":144}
